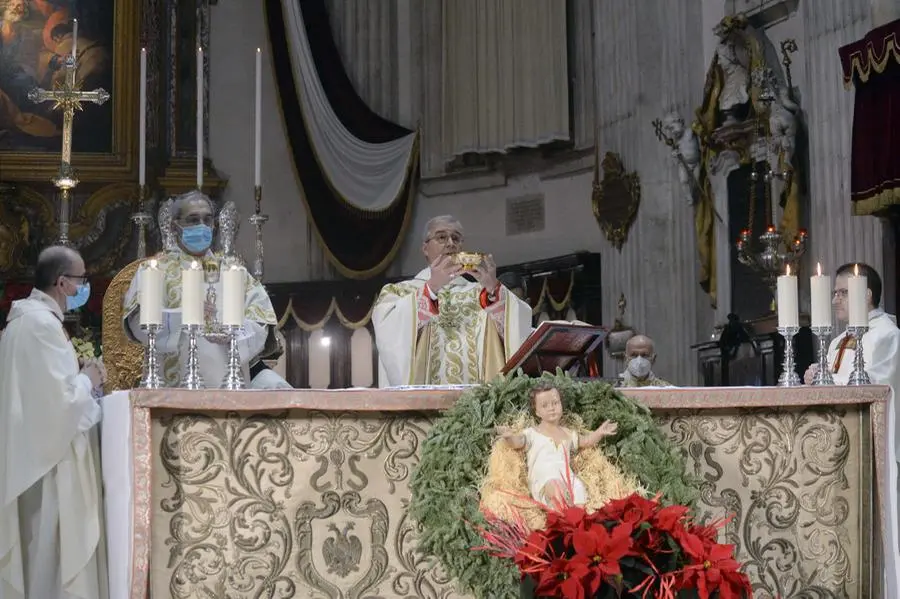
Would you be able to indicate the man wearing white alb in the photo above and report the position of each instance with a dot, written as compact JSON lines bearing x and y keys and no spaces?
{"x":194,"y":223}
{"x":52,"y":544}
{"x":881,"y":344}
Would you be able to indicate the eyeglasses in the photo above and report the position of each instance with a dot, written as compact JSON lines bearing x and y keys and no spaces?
{"x":839,"y":294}
{"x":443,"y":238}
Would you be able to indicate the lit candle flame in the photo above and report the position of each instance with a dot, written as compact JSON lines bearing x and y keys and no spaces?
{"x":195,"y":265}
{"x":856,"y":270}
{"x":819,"y":268}
{"x":153,"y":264}
{"x":787,"y":270}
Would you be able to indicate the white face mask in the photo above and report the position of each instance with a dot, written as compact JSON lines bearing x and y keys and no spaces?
{"x":639,"y":367}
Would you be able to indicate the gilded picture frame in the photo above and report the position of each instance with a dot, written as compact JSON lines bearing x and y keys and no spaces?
{"x":615,"y":199}
{"x":117,"y":162}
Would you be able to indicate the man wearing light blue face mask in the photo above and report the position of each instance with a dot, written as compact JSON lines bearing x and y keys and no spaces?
{"x":193,"y":223}
{"x":51,"y":513}
{"x":639,"y":358}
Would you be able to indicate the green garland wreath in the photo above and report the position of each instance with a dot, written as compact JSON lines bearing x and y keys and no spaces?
{"x":445,"y":484}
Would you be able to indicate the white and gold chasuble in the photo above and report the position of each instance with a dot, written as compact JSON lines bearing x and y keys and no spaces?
{"x":462,"y":343}
{"x":258,"y":317}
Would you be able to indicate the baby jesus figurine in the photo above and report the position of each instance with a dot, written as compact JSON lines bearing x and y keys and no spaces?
{"x":549,"y":448}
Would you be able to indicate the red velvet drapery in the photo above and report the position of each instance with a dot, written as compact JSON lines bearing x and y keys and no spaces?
{"x":872,"y":65}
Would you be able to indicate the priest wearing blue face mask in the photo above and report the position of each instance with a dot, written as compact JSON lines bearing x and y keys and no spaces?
{"x":639,"y":358}
{"x":51,"y":517}
{"x":193,"y":223}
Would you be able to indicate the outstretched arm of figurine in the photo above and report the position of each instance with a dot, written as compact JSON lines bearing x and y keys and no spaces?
{"x":514,"y":439}
{"x":607,"y":429}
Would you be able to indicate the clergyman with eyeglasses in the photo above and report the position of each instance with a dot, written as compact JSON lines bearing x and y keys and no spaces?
{"x":51,"y":513}
{"x":881,"y":343}
{"x":454,"y":323}
{"x":193,"y":219}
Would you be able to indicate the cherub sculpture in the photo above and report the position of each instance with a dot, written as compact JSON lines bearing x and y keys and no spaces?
{"x":686,"y":150}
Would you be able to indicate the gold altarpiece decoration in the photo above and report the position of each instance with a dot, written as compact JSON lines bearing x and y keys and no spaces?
{"x":101,"y":226}
{"x":615,"y":198}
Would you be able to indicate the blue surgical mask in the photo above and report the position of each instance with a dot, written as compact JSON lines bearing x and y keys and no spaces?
{"x":82,"y":293}
{"x":196,"y":238}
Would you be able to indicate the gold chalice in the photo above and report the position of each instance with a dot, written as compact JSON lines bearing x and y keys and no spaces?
{"x":469,"y":261}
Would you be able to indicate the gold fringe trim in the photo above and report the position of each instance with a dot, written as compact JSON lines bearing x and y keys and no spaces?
{"x":862,"y":64}
{"x":333,"y":309}
{"x":877,"y":202}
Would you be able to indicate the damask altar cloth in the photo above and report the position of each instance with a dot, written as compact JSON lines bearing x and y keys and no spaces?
{"x":305,"y":492}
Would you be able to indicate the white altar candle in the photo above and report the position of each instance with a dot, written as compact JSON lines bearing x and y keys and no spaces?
{"x":151,"y":294}
{"x":856,"y":298}
{"x":788,"y":307}
{"x":74,"y":39}
{"x":233,"y":301}
{"x":820,"y":298}
{"x":258,"y":125}
{"x":192,"y":294}
{"x":199,"y":118}
{"x":142,"y":147}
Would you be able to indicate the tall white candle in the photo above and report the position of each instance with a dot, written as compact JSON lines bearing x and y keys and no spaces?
{"x":192,"y":295}
{"x":820,"y":298}
{"x":74,"y":39}
{"x":199,"y":118}
{"x":233,"y":301}
{"x":258,"y":124}
{"x":142,"y":147}
{"x":856,"y":299}
{"x":788,"y":306}
{"x":151,"y":294}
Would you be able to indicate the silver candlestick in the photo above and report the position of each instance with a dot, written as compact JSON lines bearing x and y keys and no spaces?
{"x":789,"y":377}
{"x":258,"y":220}
{"x":192,"y":378}
{"x":234,"y":378}
{"x":142,"y":219}
{"x":859,"y":376}
{"x":151,"y":378}
{"x":823,"y":372}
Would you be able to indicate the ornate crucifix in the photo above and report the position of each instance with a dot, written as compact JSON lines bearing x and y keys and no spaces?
{"x":68,"y":98}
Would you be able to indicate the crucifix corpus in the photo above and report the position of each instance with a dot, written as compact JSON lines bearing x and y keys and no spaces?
{"x":67,"y":97}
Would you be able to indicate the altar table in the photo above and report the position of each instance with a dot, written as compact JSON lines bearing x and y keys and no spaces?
{"x":303,"y":493}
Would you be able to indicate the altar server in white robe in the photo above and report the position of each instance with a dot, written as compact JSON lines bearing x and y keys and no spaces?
{"x":194,"y":223}
{"x":881,"y":344}
{"x":52,"y":544}
{"x":441,"y":328}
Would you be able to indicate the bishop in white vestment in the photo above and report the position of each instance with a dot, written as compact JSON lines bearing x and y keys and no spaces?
{"x":52,"y":544}
{"x":442,"y":329}
{"x":193,"y":217}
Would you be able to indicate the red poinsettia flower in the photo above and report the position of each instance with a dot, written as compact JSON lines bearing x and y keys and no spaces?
{"x":604,"y":548}
{"x":716,"y":570}
{"x":569,"y":577}
{"x":633,"y":509}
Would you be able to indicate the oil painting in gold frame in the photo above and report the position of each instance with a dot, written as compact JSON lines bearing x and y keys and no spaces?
{"x":104,"y":136}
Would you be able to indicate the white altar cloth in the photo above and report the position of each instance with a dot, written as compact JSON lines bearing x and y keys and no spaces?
{"x":118,"y":485}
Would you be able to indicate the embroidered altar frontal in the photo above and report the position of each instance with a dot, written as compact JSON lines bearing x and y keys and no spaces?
{"x":304,"y":493}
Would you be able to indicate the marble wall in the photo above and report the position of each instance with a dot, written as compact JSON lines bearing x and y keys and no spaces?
{"x":648,"y":58}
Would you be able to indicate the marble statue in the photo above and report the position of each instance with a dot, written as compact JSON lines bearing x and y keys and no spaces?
{"x":686,"y":151}
{"x":736,"y":85}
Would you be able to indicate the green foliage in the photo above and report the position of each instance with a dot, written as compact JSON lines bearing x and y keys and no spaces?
{"x":455,"y":455}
